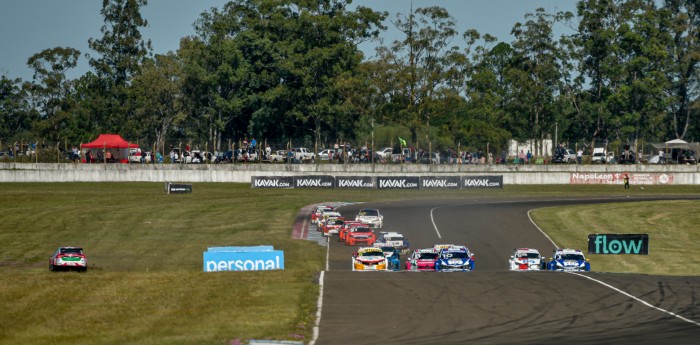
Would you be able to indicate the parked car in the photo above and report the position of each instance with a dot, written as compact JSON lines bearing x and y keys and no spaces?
{"x":627,"y":155}
{"x":430,"y":158}
{"x":326,"y":154}
{"x":564,"y":155}
{"x":384,"y":154}
{"x":68,"y":258}
{"x":302,"y":154}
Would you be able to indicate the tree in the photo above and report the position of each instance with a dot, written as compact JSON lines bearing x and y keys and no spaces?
{"x":16,"y":114}
{"x":121,"y":50}
{"x":51,"y":90}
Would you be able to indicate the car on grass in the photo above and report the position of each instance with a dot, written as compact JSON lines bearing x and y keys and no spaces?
{"x":422,"y":260}
{"x":360,"y":234}
{"x":392,"y":255}
{"x":566,"y":259}
{"x":369,"y":259}
{"x":455,"y":258}
{"x":394,"y":239}
{"x":371,"y":217}
{"x":564,"y":155}
{"x":526,"y":259}
{"x":68,"y":258}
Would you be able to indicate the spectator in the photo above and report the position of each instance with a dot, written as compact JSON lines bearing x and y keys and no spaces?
{"x":253,"y":143}
{"x":579,"y":155}
{"x":268,"y":151}
{"x":528,"y":157}
{"x":521,"y":157}
{"x":627,"y":181}
{"x":88,"y":157}
{"x":108,"y":156}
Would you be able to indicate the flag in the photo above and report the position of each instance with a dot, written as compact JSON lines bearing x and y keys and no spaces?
{"x":403,"y":142}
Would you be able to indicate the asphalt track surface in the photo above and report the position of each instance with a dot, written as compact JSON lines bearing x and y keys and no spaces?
{"x":492,"y":305}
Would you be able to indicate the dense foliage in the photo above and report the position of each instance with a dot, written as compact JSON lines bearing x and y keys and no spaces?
{"x":290,"y":71}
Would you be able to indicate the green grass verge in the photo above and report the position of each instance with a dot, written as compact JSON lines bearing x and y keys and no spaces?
{"x":145,"y":284}
{"x":673,"y":228}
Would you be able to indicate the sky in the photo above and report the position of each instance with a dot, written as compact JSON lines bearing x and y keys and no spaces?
{"x":29,"y":26}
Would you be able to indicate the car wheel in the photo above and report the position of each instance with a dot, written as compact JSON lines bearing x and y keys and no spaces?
{"x":51,"y":268}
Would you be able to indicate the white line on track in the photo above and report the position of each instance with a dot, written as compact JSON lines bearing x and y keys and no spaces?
{"x":637,"y":299}
{"x":318,"y":311}
{"x":612,"y":287}
{"x":433,"y":220}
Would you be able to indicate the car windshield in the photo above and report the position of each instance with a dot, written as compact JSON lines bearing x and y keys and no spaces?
{"x":71,"y":250}
{"x":428,"y":256}
{"x":529,"y":255}
{"x":390,"y":238}
{"x":572,"y":257}
{"x":454,"y":255}
{"x":369,"y":213}
{"x":363,"y":229}
{"x":388,"y":250}
{"x":371,"y":254}
{"x":338,"y":222}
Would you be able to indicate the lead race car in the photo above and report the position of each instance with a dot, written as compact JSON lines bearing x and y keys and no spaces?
{"x":526,"y":259}
{"x":455,"y":258}
{"x":422,"y":260}
{"x":568,"y":260}
{"x":369,"y":259}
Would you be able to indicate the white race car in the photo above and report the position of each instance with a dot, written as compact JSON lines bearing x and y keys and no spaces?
{"x":526,"y":259}
{"x":371,"y":217}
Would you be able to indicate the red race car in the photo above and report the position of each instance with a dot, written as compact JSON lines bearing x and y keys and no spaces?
{"x":347,"y":227}
{"x":360,"y":234}
{"x":332,"y":226}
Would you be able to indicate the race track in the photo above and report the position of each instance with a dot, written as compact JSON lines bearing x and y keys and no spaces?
{"x":493,"y":305}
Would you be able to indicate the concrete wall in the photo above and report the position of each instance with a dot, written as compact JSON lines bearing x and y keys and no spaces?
{"x":512,"y":174}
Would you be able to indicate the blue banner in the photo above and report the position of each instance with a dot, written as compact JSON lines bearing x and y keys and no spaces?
{"x":216,"y":261}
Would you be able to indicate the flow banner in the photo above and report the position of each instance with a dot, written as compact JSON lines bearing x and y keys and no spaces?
{"x":355,"y":182}
{"x":176,"y":188}
{"x":444,"y":182}
{"x":406,"y":182}
{"x":272,"y":182}
{"x":314,"y":181}
{"x":618,"y":244}
{"x":482,"y":182}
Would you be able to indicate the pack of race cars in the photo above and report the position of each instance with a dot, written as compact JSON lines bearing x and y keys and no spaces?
{"x":383,"y":252}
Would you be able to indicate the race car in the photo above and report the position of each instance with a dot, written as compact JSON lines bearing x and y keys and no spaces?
{"x":526,"y":259}
{"x":347,"y":227}
{"x":455,"y":258}
{"x":369,"y":259}
{"x":332,"y":225}
{"x":318,"y":212}
{"x":392,"y":255}
{"x":422,"y":260}
{"x":325,"y":215}
{"x":568,"y":260}
{"x":371,"y":217}
{"x":394,"y":239}
{"x":360,"y":234}
{"x":68,"y":258}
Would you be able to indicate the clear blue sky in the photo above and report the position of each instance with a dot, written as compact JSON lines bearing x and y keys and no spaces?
{"x":30,"y":26}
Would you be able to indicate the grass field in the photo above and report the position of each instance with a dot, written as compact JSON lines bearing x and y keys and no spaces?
{"x":673,"y":228}
{"x":145,"y":283}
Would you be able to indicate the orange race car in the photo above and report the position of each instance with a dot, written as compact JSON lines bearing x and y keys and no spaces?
{"x":360,"y":234}
{"x":348,"y":226}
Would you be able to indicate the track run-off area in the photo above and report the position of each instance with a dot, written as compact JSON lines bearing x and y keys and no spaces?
{"x":492,"y":305}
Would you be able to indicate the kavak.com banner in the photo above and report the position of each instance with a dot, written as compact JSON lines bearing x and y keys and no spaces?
{"x":448,"y":182}
{"x":405,"y":182}
{"x":317,"y":181}
{"x":482,"y":182}
{"x":272,"y":182}
{"x":618,"y":244}
{"x":355,"y":182}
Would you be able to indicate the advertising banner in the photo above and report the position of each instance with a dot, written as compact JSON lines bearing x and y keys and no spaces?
{"x":405,"y":182}
{"x":176,"y":188}
{"x":482,"y":182}
{"x":218,"y":259}
{"x":618,"y":178}
{"x":355,"y":182}
{"x":443,"y":182}
{"x":272,"y":182}
{"x":317,"y":181}
{"x":618,"y":244}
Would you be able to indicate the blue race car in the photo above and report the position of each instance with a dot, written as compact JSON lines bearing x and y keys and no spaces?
{"x":392,"y":255}
{"x":455,"y":258}
{"x":568,"y":260}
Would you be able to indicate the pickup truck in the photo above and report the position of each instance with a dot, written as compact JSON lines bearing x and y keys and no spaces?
{"x":303,"y":154}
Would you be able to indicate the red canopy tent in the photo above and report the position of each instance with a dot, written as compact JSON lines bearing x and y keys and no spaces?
{"x":112,"y":143}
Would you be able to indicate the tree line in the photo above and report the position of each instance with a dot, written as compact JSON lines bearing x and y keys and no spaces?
{"x":291,"y":71}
